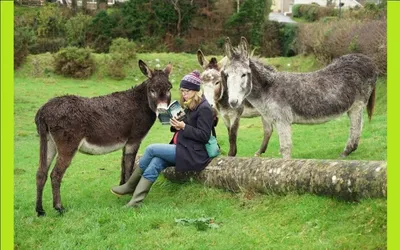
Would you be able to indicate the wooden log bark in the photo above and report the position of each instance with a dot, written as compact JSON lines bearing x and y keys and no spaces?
{"x":348,"y":180}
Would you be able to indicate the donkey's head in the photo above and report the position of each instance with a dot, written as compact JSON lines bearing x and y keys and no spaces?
{"x":158,"y":87}
{"x":211,"y":77}
{"x":236,"y":75}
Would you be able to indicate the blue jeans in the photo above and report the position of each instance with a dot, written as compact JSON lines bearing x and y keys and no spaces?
{"x":156,"y":158}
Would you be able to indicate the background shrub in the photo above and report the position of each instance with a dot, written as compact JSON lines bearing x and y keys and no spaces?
{"x":116,"y":65}
{"x":43,"y":45}
{"x":296,"y":10}
{"x":50,"y":21}
{"x":212,"y":48}
{"x":76,"y":29}
{"x":333,"y":39}
{"x":278,"y":39}
{"x":287,"y":38}
{"x":370,"y":11}
{"x":124,"y":47}
{"x":100,"y":32}
{"x":309,"y":12}
{"x":271,"y":43}
{"x":74,"y":62}
{"x":312,"y":12}
{"x":151,"y":44}
{"x":23,"y":37}
{"x":249,"y":21}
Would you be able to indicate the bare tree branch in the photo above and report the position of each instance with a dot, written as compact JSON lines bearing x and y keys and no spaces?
{"x":175,"y":3}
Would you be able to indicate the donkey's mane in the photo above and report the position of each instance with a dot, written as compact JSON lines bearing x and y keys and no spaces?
{"x":213,"y":64}
{"x":236,"y":53}
{"x":257,"y":60}
{"x":264,"y":73}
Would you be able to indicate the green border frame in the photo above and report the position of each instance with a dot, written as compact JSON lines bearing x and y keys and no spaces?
{"x":7,"y":124}
{"x":393,"y":126}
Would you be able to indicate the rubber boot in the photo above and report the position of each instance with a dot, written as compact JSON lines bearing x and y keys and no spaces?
{"x":130,"y":185}
{"x":141,"y":191}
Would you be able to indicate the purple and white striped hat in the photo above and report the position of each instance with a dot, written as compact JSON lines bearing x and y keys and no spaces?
{"x":191,"y":81}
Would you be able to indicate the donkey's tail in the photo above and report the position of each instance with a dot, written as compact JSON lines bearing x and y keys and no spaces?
{"x":371,"y":104}
{"x":42,"y":131}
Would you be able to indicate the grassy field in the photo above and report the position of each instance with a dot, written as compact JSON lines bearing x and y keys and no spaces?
{"x":95,"y":218}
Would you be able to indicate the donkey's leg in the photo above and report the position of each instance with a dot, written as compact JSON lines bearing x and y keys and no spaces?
{"x":285,"y":138}
{"x":267,"y":126}
{"x":128,"y":160}
{"x":233,"y":136}
{"x":231,"y":120}
{"x":42,"y":173}
{"x":64,"y":158}
{"x":226,"y":119}
{"x":356,"y":123}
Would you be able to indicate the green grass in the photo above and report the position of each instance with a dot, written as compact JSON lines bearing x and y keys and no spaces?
{"x":300,"y":20}
{"x":95,"y":218}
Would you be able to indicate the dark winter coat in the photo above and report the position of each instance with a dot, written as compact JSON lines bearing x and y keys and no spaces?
{"x":191,"y":154}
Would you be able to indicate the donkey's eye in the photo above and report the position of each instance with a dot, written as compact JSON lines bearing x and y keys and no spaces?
{"x":243,"y":75}
{"x":216,"y":83}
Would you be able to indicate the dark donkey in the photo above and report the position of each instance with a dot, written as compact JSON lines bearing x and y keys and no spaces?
{"x":96,"y":126}
{"x":282,"y":98}
{"x":216,"y":95}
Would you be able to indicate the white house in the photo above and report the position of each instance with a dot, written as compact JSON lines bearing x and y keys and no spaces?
{"x":285,"y":6}
{"x":346,"y":3}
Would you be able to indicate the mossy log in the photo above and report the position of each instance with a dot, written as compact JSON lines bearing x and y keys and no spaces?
{"x":348,"y":180}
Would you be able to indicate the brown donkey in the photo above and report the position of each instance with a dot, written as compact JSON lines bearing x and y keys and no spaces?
{"x":96,"y":126}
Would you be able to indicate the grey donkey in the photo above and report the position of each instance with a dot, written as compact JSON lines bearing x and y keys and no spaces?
{"x":346,"y":85}
{"x":217,"y":96}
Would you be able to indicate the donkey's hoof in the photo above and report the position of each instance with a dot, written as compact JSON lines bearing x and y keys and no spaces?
{"x":60,"y":210}
{"x":133,"y":205}
{"x":343,"y":155}
{"x":41,"y":213}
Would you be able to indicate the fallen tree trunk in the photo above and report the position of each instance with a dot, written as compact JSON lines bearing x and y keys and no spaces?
{"x":349,"y":180}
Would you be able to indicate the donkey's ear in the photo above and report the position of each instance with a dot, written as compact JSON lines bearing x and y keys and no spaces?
{"x":168,"y":69}
{"x":244,"y":47}
{"x":201,"y":59}
{"x":222,"y":62}
{"x":228,"y":48}
{"x":145,"y":70}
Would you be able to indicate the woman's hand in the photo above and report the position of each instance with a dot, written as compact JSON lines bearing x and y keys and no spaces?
{"x":178,"y":125}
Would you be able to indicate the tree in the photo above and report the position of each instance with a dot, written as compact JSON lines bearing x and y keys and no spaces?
{"x":175,"y":3}
{"x":84,"y":6}
{"x":250,"y":19}
{"x":74,"y":6}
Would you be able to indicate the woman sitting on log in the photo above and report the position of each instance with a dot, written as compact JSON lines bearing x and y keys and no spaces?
{"x":186,"y":151}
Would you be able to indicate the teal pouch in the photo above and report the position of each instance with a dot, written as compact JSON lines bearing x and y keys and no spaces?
{"x":212,"y":147}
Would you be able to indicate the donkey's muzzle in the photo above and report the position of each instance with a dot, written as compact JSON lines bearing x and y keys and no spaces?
{"x":234,"y":103}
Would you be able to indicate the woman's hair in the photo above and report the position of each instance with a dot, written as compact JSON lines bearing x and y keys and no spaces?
{"x":196,"y":99}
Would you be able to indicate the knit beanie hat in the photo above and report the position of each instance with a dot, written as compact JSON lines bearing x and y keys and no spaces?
{"x":191,"y":81}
